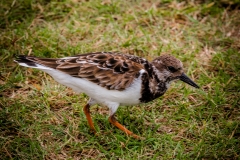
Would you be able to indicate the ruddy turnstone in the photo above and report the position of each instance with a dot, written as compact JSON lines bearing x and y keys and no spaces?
{"x":112,"y":79}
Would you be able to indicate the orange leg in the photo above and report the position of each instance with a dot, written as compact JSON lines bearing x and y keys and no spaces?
{"x":86,"y":110}
{"x":113,"y":120}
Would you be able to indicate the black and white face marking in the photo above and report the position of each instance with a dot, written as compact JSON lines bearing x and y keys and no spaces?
{"x":169,"y":68}
{"x":172,"y":69}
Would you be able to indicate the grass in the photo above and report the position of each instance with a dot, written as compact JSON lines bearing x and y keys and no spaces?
{"x":40,"y":119}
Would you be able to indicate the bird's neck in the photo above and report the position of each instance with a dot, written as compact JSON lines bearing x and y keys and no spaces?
{"x":154,"y":84}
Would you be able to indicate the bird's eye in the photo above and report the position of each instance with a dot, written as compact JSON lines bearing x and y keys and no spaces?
{"x":172,"y":69}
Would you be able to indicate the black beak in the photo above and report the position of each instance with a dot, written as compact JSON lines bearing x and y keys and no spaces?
{"x":187,"y":80}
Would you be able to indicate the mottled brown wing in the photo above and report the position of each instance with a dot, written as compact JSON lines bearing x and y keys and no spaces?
{"x":110,"y":70}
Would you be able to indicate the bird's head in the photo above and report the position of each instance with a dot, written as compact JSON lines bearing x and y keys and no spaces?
{"x":168,"y":68}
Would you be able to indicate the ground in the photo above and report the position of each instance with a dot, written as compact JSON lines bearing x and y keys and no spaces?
{"x":40,"y":119}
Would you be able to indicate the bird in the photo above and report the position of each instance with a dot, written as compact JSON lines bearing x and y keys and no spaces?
{"x":112,"y":79}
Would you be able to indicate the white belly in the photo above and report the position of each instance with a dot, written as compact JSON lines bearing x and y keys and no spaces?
{"x":129,"y":96}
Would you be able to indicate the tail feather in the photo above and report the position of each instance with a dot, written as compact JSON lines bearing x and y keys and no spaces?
{"x":29,"y":61}
{"x":22,"y":59}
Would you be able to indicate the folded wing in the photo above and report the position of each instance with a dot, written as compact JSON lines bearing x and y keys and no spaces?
{"x":110,"y":70}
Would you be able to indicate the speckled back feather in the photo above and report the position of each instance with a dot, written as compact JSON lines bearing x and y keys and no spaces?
{"x":110,"y":70}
